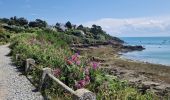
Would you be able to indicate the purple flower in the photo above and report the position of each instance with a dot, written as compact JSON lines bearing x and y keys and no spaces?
{"x":76,"y":54}
{"x":86,"y":71}
{"x":87,"y":79}
{"x":82,"y":83}
{"x":77,"y":85}
{"x":95,"y":65}
{"x":78,"y":62}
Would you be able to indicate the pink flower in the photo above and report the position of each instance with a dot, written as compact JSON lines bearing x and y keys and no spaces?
{"x":95,"y":65}
{"x":87,"y":79}
{"x":78,"y":62}
{"x":74,"y":57}
{"x":77,"y":85}
{"x":69,"y":62}
{"x":82,"y":83}
{"x":57,"y":72}
{"x":86,"y":71}
{"x":76,"y":54}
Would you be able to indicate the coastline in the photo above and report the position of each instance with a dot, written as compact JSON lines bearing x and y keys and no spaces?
{"x":143,"y":75}
{"x":141,"y":61}
{"x":157,"y":49}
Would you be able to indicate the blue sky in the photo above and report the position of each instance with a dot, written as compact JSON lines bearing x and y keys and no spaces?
{"x":117,"y":17}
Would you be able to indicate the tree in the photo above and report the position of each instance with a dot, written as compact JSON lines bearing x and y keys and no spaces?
{"x":38,"y":23}
{"x":11,"y":22}
{"x":4,"y":20}
{"x":80,"y":27}
{"x":68,"y":25}
{"x":32,"y":24}
{"x":58,"y":26}
{"x":22,"y":21}
{"x":96,"y":30}
{"x":41,"y":23}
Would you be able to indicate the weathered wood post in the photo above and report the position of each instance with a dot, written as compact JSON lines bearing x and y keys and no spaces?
{"x":16,"y":57}
{"x":46,"y":71}
{"x":84,"y":94}
{"x":28,"y":62}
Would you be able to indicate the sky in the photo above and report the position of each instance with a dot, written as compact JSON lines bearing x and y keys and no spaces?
{"x":117,"y":17}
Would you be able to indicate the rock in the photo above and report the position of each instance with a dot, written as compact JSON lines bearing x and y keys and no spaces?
{"x":97,"y":59}
{"x":144,"y":88}
{"x":129,"y":48}
{"x":150,"y":83}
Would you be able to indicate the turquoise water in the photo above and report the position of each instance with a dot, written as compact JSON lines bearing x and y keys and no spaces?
{"x":157,"y":49}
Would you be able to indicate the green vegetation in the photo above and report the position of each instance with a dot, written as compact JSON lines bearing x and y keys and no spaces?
{"x":51,"y":48}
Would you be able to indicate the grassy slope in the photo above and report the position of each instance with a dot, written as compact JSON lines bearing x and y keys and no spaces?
{"x":50,"y":49}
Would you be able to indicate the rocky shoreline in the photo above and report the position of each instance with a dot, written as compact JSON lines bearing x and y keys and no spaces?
{"x":144,"y":76}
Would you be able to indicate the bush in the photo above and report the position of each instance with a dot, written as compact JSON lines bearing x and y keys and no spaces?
{"x":4,"y":38}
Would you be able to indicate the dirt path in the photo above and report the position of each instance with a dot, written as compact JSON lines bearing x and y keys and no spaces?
{"x":13,"y":85}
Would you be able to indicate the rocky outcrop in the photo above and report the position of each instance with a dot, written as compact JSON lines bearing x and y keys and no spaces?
{"x":129,"y":48}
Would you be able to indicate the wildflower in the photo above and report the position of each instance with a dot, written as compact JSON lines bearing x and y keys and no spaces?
{"x":95,"y":65}
{"x":74,"y":57}
{"x":76,"y":54}
{"x":82,"y":83}
{"x":78,"y":62}
{"x":69,"y":62}
{"x":86,"y":71}
{"x":87,"y":79}
{"x":77,"y":85}
{"x":57,"y":72}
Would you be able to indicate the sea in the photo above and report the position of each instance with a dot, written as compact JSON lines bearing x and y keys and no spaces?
{"x":157,"y":49}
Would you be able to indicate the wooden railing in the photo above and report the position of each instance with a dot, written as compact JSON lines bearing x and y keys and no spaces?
{"x":80,"y":94}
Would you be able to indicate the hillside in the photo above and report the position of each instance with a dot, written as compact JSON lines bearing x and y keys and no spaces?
{"x":55,"y":47}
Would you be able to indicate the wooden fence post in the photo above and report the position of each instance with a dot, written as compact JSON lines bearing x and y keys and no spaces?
{"x":16,"y":57}
{"x":46,"y":71}
{"x":28,"y":62}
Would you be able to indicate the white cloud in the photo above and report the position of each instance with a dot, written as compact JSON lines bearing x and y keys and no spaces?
{"x":148,"y":26}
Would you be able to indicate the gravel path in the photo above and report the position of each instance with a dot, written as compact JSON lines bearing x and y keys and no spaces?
{"x":13,"y":85}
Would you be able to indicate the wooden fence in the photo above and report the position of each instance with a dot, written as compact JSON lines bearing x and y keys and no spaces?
{"x":80,"y":94}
